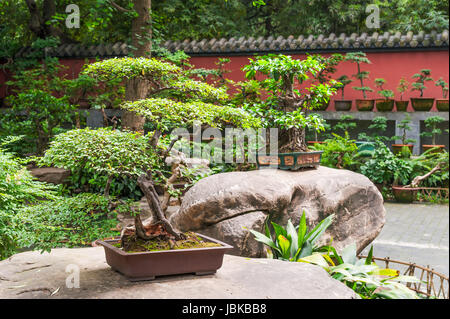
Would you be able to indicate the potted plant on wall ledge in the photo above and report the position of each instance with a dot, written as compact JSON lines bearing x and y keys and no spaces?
{"x":386,"y":104}
{"x":402,"y":87}
{"x":432,"y":123}
{"x":442,"y":104}
{"x":358,"y":58}
{"x":326,"y":127}
{"x":421,"y":103}
{"x":286,"y":107}
{"x":176,"y":101}
{"x":342,"y":104}
{"x":405,"y":148}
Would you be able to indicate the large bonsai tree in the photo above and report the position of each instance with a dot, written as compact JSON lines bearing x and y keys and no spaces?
{"x":175,"y":102}
{"x":286,"y":105}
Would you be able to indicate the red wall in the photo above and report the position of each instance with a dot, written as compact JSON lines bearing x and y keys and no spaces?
{"x":388,"y":65}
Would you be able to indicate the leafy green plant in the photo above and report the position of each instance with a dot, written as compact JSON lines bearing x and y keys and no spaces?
{"x":386,"y":168}
{"x":363,"y":276}
{"x":444,"y":86}
{"x":402,"y":87}
{"x":342,"y":82}
{"x":432,"y":123}
{"x":292,"y":243}
{"x":286,"y":105}
{"x":421,"y":78}
{"x":378,"y":127}
{"x":382,"y":92}
{"x":404,"y":127}
{"x":358,"y":58}
{"x":345,"y":124}
{"x":338,"y":152}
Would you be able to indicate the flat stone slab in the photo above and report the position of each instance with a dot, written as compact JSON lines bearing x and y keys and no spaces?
{"x":35,"y":275}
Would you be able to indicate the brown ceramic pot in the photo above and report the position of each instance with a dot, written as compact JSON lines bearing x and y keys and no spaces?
{"x":365,"y":105}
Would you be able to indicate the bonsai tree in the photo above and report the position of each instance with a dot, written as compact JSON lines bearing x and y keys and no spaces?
{"x":286,"y":105}
{"x":343,"y":81}
{"x":432,"y":124}
{"x":421,"y":78}
{"x":404,"y":127}
{"x":346,"y":123}
{"x":382,"y":92}
{"x":329,"y":67}
{"x":444,"y":87}
{"x":176,"y":102}
{"x":402,"y":87}
{"x":378,"y":128}
{"x":358,"y":58}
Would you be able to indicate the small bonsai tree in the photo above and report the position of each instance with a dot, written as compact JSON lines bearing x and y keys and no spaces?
{"x":382,"y":92}
{"x":342,"y":82}
{"x":421,"y":78}
{"x":402,"y":87}
{"x":329,"y":67}
{"x":286,"y":105}
{"x":176,"y":102}
{"x":404,"y":127}
{"x":378,"y":128}
{"x":345,"y":123}
{"x":359,"y":58}
{"x":432,"y":124}
{"x":444,"y":87}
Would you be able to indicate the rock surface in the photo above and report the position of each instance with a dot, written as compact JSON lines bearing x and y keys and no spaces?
{"x":52,"y":175}
{"x":221,"y":205}
{"x":35,"y":275}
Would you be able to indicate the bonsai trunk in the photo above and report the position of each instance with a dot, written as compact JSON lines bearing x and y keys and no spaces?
{"x":136,"y":89}
{"x":293,"y":140}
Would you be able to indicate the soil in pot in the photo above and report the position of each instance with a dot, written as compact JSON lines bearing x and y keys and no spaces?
{"x":383,"y":105}
{"x":401,"y":106}
{"x":442,"y":105}
{"x":437,"y":148}
{"x":422,"y":104}
{"x":365,"y":105}
{"x":342,"y":105}
{"x":398,"y":148}
{"x":404,"y":194}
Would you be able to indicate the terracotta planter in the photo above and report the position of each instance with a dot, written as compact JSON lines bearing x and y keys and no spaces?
{"x":404,"y":194}
{"x":148,"y":265}
{"x":383,"y":105}
{"x":315,"y":142}
{"x":365,"y":105}
{"x":442,"y":105}
{"x":290,"y":161}
{"x":422,"y":104}
{"x":401,"y":106}
{"x":343,"y":105}
{"x":439,"y":148}
{"x":397,"y":148}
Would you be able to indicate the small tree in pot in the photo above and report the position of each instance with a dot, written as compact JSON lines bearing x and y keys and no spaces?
{"x":402,"y":87}
{"x":386,"y":104}
{"x":432,"y":123}
{"x":421,"y":103}
{"x":343,"y":105}
{"x":442,"y":104}
{"x":405,"y":148}
{"x":286,"y":106}
{"x":358,"y":58}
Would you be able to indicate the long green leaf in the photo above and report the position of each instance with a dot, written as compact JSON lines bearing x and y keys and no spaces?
{"x":265,"y":240}
{"x":315,"y":234}
{"x":348,"y":254}
{"x":279,"y":230}
{"x":292,"y":233}
{"x":302,"y":231}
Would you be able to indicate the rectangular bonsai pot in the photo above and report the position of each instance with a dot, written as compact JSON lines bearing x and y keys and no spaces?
{"x":148,"y":265}
{"x":290,"y":161}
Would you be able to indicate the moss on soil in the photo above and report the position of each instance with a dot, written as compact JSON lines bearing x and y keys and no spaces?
{"x":137,"y":245}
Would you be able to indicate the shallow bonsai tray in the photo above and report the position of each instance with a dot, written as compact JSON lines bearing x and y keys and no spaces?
{"x":290,"y":161}
{"x":148,"y":265}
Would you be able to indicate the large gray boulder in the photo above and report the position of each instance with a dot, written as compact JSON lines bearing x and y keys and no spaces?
{"x":53,"y":275}
{"x":225,"y":205}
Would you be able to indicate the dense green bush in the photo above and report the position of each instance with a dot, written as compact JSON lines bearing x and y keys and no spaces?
{"x":339,"y":152}
{"x":66,"y":222}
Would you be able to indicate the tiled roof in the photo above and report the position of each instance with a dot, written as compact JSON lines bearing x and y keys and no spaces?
{"x":332,"y":42}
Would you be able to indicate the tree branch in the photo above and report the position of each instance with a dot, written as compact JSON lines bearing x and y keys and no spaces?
{"x":115,"y":5}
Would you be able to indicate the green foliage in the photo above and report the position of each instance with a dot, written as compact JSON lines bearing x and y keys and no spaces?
{"x":404,"y":126}
{"x":342,"y":82}
{"x":444,"y":87}
{"x":386,"y":168}
{"x":384,"y":93}
{"x":432,"y":123}
{"x":17,"y":189}
{"x":378,"y":128}
{"x":66,"y":222}
{"x":363,"y":276}
{"x":402,"y":87}
{"x":422,"y":77}
{"x":338,"y":152}
{"x":292,"y":243}
{"x":358,"y":58}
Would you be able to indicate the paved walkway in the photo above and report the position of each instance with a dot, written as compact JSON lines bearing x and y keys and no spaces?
{"x":417,"y":233}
